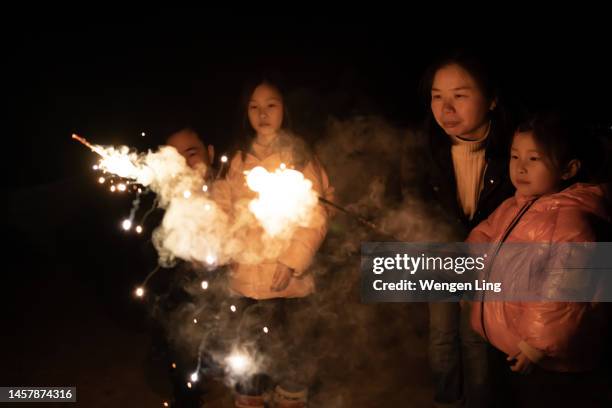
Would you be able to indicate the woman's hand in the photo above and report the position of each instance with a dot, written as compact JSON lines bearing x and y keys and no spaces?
{"x":282,"y":277}
{"x":522,"y":365}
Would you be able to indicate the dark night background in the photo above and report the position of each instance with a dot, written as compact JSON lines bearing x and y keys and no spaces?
{"x":69,"y":271}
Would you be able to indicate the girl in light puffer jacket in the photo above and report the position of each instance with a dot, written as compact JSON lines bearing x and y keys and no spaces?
{"x":547,"y":208}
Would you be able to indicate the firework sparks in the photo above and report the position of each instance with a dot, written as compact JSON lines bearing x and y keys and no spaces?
{"x":239,"y":363}
{"x":286,"y":199}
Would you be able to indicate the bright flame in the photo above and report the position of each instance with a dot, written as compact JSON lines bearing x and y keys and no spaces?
{"x":210,"y":259}
{"x":194,"y":377}
{"x":173,"y":365}
{"x":95,"y":167}
{"x":207,"y":207}
{"x":205,"y":188}
{"x":126,"y":225}
{"x":101,"y":180}
{"x":143,"y":134}
{"x":186,"y":193}
{"x":188,"y":385}
{"x":118,"y":161}
{"x":286,"y":199}
{"x":139,"y":292}
{"x":121,"y":187}
{"x":223,"y":159}
{"x":112,"y":189}
{"x":239,"y":362}
{"x":265,"y":329}
{"x":165,"y":404}
{"x":195,"y":321}
{"x":233,"y":308}
{"x":204,"y":285}
{"x":138,"y":229}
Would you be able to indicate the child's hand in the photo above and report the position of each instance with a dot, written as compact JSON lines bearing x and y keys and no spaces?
{"x":281,"y":277}
{"x":522,"y":364}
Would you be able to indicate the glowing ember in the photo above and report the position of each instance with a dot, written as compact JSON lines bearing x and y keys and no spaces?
{"x":139,"y":292}
{"x":126,"y":225}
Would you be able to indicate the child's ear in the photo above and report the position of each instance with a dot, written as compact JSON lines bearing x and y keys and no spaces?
{"x":493,"y":104}
{"x":571,"y":169}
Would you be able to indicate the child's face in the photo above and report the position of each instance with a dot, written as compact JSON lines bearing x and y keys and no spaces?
{"x":458,"y":104}
{"x":530,"y":170}
{"x":266,"y":110}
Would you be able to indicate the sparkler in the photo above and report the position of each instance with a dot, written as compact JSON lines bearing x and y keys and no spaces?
{"x":239,"y":363}
{"x":358,"y":218}
{"x":285,"y":192}
{"x":223,"y":163}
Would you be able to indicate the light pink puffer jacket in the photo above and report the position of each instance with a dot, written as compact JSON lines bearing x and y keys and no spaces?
{"x":560,"y":336}
{"x":253,"y":279}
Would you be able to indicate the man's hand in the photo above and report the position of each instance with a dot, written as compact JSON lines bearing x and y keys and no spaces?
{"x":282,"y":277}
{"x":522,"y":364}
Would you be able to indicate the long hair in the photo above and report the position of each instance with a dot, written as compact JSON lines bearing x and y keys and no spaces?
{"x":288,"y":142}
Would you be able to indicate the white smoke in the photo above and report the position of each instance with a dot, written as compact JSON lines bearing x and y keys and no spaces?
{"x":195,"y":228}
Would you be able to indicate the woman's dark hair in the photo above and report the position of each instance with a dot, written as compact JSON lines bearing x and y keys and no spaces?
{"x":482,"y":72}
{"x":561,"y":139}
{"x":476,"y":66}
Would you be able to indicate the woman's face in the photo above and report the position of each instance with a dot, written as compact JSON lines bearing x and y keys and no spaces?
{"x":266,"y":110}
{"x":458,"y":104}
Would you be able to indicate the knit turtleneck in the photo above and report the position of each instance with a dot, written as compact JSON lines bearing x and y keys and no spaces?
{"x":469,"y":163}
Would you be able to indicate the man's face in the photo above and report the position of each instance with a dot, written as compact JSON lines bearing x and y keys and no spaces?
{"x":189,"y":145}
